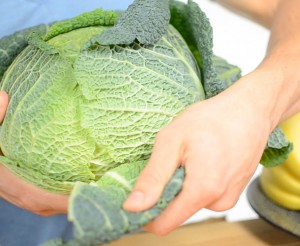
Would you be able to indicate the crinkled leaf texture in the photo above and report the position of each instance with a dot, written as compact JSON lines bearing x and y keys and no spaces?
{"x":12,"y":45}
{"x":277,"y":150}
{"x":195,"y":27}
{"x":145,"y":21}
{"x":96,"y":210}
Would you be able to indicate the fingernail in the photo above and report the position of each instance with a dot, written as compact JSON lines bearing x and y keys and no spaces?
{"x":135,"y":199}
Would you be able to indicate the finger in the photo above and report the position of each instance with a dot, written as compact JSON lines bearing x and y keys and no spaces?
{"x":45,"y":204}
{"x":175,"y":214}
{"x":28,"y":196}
{"x":42,"y":202}
{"x":38,"y":200}
{"x":237,"y":185}
{"x":57,"y":204}
{"x":157,"y":173}
{"x":3,"y":104}
{"x":46,"y":213}
{"x":230,"y":196}
{"x":226,"y":202}
{"x":189,"y":201}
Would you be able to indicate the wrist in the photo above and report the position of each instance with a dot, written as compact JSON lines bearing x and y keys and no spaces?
{"x":259,"y":11}
{"x":259,"y":93}
{"x":283,"y":65}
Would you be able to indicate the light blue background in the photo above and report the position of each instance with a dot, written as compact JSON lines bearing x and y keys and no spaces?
{"x":18,"y":14}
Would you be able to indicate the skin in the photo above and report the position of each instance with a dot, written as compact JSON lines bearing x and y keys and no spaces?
{"x":219,"y":154}
{"x":30,"y":197}
{"x":220,"y":141}
{"x":259,"y":11}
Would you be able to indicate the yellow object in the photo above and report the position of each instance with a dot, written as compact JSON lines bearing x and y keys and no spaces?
{"x":282,"y":183}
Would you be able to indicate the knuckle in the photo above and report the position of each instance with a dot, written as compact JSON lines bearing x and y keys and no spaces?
{"x":165,"y":134}
{"x":230,"y":205}
{"x":214,"y":191}
{"x":223,"y":204}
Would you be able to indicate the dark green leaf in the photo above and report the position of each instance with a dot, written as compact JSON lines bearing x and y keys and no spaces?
{"x":226,"y":72}
{"x":144,"y":20}
{"x":195,"y":28}
{"x":12,"y":45}
{"x":277,"y":150}
{"x":98,"y":216}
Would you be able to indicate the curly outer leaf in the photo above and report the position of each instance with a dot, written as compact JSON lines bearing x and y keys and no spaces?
{"x":144,"y":20}
{"x":93,"y":18}
{"x":98,"y":17}
{"x":195,"y":28}
{"x":273,"y":157}
{"x":277,"y":149}
{"x":226,"y":72}
{"x":277,"y":139}
{"x":36,"y":40}
{"x":98,"y":216}
{"x":12,"y":45}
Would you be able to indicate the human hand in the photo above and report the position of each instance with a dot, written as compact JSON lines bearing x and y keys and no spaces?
{"x":29,"y":197}
{"x":25,"y":195}
{"x":219,"y":141}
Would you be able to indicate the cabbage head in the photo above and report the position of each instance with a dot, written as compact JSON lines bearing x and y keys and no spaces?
{"x":75,"y":114}
{"x":88,"y":96}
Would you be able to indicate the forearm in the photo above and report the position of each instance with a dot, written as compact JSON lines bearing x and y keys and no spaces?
{"x":283,"y":57}
{"x":277,"y":89}
{"x":257,"y":10}
{"x":275,"y":85}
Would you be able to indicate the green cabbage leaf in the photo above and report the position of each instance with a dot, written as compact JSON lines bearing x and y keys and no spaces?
{"x":145,"y":21}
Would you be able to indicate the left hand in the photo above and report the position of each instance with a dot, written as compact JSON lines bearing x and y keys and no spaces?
{"x":27,"y":196}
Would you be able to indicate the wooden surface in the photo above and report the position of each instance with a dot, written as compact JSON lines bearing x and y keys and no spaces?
{"x":216,"y":233}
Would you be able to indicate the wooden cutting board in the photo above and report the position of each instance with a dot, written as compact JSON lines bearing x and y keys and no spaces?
{"x":216,"y":233}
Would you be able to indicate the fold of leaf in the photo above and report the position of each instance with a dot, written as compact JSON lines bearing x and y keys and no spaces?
{"x":12,"y":45}
{"x":145,"y":21}
{"x":96,"y":210}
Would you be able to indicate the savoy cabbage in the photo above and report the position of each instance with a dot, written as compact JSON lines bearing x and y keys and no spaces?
{"x":89,"y":94}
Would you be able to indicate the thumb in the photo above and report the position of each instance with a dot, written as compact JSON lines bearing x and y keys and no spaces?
{"x":3,"y":104}
{"x":157,"y":173}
